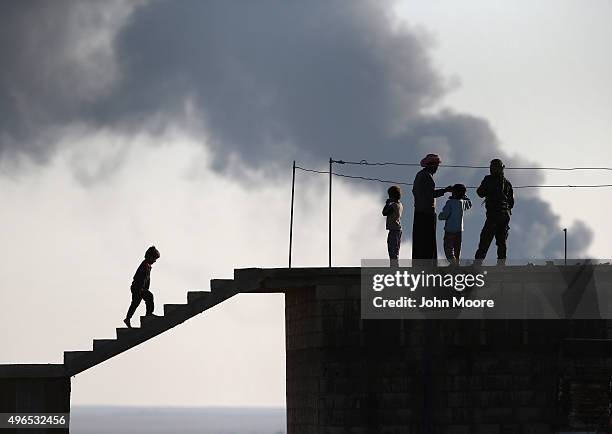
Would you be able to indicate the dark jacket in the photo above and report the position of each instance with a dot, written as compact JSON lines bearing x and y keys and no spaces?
{"x":498,"y":194}
{"x":425,"y":193}
{"x":142,"y":277}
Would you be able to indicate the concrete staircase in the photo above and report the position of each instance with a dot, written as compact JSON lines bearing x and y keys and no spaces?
{"x":174,"y":314}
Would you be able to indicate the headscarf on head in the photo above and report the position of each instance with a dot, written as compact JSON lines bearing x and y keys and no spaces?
{"x":431,"y":159}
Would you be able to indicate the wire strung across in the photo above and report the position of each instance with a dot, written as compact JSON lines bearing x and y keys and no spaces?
{"x":386,"y":181}
{"x":464,"y":166}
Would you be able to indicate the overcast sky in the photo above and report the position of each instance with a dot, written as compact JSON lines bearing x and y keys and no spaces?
{"x":125,"y":124}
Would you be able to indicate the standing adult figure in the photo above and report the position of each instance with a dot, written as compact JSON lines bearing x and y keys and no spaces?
{"x":499,"y":201}
{"x":424,"y":225}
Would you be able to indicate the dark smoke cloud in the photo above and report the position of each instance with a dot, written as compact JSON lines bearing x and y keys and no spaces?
{"x":269,"y":81}
{"x":57,"y":60}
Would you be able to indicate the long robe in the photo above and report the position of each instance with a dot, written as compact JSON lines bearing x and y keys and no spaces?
{"x":424,"y":225}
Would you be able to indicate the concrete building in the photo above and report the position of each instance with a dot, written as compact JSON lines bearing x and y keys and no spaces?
{"x":346,"y":374}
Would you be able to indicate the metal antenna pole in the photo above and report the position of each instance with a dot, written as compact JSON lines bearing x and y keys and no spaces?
{"x":330,"y":211}
{"x":565,"y":235}
{"x":291,"y":219}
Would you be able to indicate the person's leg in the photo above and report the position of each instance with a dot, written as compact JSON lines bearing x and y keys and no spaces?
{"x":501,"y":235}
{"x":433,"y":244}
{"x":391,"y":249}
{"x":425,"y":232}
{"x":486,"y":236}
{"x":136,"y":298}
{"x":148,"y":298}
{"x":417,"y":236}
{"x":424,"y":236}
{"x":393,"y":246}
{"x":448,"y":247}
{"x":398,"y":243}
{"x":457,"y":245}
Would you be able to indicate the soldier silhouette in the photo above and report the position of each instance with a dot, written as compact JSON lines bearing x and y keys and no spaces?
{"x":499,"y":201}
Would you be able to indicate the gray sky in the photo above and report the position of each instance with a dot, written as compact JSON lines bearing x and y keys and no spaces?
{"x":539,"y":73}
{"x":126,"y":124}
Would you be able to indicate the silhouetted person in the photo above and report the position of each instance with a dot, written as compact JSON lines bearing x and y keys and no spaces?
{"x":140,"y":285}
{"x":453,"y":228}
{"x":499,"y":201}
{"x":393,"y":210}
{"x":424,"y":225}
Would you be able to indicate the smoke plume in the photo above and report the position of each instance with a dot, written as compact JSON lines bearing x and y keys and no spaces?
{"x":265,"y":82}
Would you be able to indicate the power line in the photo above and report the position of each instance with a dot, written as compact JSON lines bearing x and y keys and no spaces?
{"x":464,"y":166}
{"x":565,"y":186}
{"x":386,"y":181}
{"x":342,"y":175}
{"x":331,"y":174}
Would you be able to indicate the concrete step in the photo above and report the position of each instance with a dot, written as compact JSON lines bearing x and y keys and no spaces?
{"x":71,"y":356}
{"x":221,"y":290}
{"x":147,"y":320}
{"x":174,"y":314}
{"x":196,"y":296}
{"x":222,"y":284}
{"x":170,"y":308}
{"x":101,"y":343}
{"x":125,"y":332}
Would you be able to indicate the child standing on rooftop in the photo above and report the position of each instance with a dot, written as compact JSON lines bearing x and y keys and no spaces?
{"x":453,"y":214}
{"x":393,"y":210}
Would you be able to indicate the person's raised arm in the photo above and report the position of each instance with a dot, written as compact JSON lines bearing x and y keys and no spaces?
{"x":388,"y":208}
{"x":441,"y":191}
{"x":429,"y":187}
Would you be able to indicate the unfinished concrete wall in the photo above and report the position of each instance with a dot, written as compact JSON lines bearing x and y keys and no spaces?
{"x":348,"y":375}
{"x":35,"y":395}
{"x":23,"y":396}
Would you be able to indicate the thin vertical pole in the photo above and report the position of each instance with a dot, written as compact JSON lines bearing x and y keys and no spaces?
{"x":291,"y":219}
{"x":330,"y":211}
{"x":565,"y":235}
